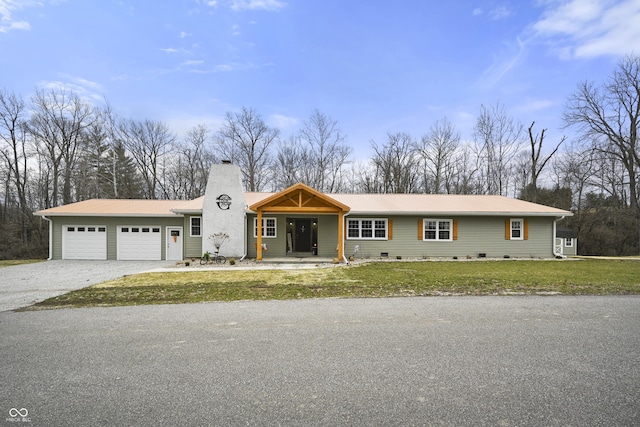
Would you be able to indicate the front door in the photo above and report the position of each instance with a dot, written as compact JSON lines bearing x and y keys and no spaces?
{"x":302,"y":235}
{"x":174,"y":243}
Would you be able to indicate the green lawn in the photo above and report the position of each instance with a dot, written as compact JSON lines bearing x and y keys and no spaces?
{"x":377,"y":279}
{"x":11,"y":262}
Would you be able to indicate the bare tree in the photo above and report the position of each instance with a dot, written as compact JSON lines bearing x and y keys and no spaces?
{"x":537,"y":164}
{"x":245,"y":139}
{"x":610,"y":115}
{"x":437,"y":150}
{"x":148,"y":142}
{"x":461,"y":176}
{"x":289,"y":164}
{"x":395,"y":166}
{"x":498,"y":140}
{"x":13,"y":143}
{"x":58,"y":123}
{"x":326,"y":152}
{"x":190,"y":166}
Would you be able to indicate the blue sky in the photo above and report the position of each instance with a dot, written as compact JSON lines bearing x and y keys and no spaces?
{"x":374,"y":66}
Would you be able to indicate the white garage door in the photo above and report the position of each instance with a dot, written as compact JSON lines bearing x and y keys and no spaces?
{"x":84,"y":242}
{"x":139,"y":242}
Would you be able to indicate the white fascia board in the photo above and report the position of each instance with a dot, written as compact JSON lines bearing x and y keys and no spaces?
{"x":460,"y":213}
{"x":114,"y":215}
{"x":187,"y":211}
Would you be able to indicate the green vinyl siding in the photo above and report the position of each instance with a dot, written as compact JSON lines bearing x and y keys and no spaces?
{"x":276,"y":246}
{"x":111,"y":223}
{"x":327,"y":236}
{"x":475,"y":235}
{"x":192,"y":245}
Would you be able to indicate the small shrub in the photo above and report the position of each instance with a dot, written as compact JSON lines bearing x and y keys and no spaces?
{"x":187,"y":263}
{"x":232,"y":261}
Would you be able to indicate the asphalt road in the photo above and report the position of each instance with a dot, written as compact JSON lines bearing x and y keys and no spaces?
{"x":481,"y":361}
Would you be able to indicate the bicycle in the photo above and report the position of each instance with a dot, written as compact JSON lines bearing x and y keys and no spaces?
{"x":207,"y":257}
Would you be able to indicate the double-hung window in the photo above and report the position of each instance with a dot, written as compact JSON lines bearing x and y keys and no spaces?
{"x":517,"y":229}
{"x":438,"y":229}
{"x":367,"y":228}
{"x":269,"y":227}
{"x":196,"y":226}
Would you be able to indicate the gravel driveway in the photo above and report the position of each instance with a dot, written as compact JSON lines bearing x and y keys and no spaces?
{"x":27,"y":284}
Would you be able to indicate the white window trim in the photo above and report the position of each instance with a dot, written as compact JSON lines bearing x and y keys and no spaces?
{"x":521,"y":221}
{"x":438,"y":221}
{"x":191,"y":226}
{"x":264,"y":228}
{"x":568,"y":242}
{"x":373,"y":230}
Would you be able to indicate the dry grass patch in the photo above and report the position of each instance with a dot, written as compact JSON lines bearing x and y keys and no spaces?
{"x":11,"y":262}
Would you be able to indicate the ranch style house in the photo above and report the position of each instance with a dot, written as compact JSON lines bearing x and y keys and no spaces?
{"x":300,"y":221}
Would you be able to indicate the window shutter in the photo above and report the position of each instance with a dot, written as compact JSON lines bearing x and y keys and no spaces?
{"x":389,"y":229}
{"x":455,"y":229}
{"x":420,"y":229}
{"x":526,"y":229}
{"x":507,"y":229}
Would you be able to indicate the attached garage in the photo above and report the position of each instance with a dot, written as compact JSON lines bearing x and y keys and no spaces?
{"x":84,"y":242}
{"x":139,"y":243}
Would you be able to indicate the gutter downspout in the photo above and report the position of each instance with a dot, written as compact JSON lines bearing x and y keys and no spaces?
{"x":50,"y":237}
{"x":245,"y":237}
{"x":557,"y":255}
{"x":344,"y":254}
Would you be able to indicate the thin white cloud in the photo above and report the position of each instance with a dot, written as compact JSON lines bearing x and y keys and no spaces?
{"x":193,"y":62}
{"x":270,"y":5}
{"x":183,"y":123}
{"x":7,"y":22}
{"x":503,"y":64}
{"x":176,"y":51}
{"x":282,"y":122}
{"x":533,"y":105}
{"x":224,"y":67}
{"x":495,"y":14}
{"x":500,"y":12}
{"x":86,"y":89}
{"x":14,"y":25}
{"x":590,"y":28}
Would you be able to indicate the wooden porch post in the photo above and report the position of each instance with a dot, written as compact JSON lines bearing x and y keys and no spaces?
{"x":340,"y":236}
{"x":259,"y":235}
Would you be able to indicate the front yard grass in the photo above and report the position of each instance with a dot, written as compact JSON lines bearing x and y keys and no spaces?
{"x":11,"y":262}
{"x":376,"y":279}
